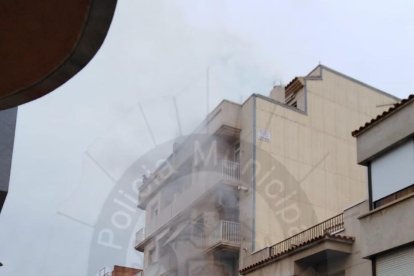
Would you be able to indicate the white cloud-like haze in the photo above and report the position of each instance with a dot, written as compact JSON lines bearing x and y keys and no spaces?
{"x":72,"y":144}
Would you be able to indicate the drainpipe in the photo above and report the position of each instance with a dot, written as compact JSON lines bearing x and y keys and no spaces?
{"x":254,"y":176}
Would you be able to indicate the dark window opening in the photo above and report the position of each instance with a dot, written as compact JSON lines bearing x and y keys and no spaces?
{"x":394,"y":196}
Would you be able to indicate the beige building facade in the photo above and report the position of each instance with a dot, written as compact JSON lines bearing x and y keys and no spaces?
{"x":256,"y":173}
{"x":386,"y":148}
{"x":306,"y":172}
{"x":373,"y":237}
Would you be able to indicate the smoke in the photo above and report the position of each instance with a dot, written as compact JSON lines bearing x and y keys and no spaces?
{"x":152,"y":71}
{"x":174,"y":74}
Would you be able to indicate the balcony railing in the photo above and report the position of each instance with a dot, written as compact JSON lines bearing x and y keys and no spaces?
{"x":226,"y":232}
{"x":330,"y":226}
{"x":228,"y":171}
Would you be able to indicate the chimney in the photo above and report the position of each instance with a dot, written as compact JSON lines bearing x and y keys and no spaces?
{"x":278,"y":93}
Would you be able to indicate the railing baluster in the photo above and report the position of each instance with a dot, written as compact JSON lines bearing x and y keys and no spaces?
{"x":326,"y":227}
{"x":230,"y":170}
{"x":228,"y":231}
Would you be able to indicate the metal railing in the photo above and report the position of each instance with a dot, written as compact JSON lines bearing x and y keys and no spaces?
{"x":332,"y":225}
{"x":230,"y":170}
{"x":226,"y":231}
{"x":230,"y":231}
{"x":329,"y":226}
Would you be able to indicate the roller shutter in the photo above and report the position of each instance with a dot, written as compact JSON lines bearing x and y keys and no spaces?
{"x":397,"y":263}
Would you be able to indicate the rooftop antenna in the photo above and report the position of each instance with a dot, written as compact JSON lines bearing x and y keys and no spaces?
{"x":177,"y":116}
{"x":275,"y":82}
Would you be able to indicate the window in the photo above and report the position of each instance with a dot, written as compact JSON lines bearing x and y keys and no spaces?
{"x":154,"y":210}
{"x":152,"y":255}
{"x":397,"y":262}
{"x":393,"y":171}
{"x":237,"y":152}
{"x":198,"y":231}
{"x":394,"y":196}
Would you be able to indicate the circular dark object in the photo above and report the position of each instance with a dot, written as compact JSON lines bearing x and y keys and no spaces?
{"x":45,"y":43}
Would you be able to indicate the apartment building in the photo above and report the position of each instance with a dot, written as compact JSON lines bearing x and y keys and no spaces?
{"x":256,"y":173}
{"x":121,"y":271}
{"x":386,"y":147}
{"x":373,"y":237}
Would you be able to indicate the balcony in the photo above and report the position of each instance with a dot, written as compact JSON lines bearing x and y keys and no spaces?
{"x":224,"y":120}
{"x":226,"y":234}
{"x":139,"y":237}
{"x":322,"y":237}
{"x":393,"y":217}
{"x":204,"y":183}
{"x":329,"y":226}
{"x":230,"y":171}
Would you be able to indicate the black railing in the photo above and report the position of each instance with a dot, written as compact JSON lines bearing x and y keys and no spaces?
{"x":327,"y":227}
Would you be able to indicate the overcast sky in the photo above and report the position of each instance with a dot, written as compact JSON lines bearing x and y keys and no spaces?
{"x":147,"y":85}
